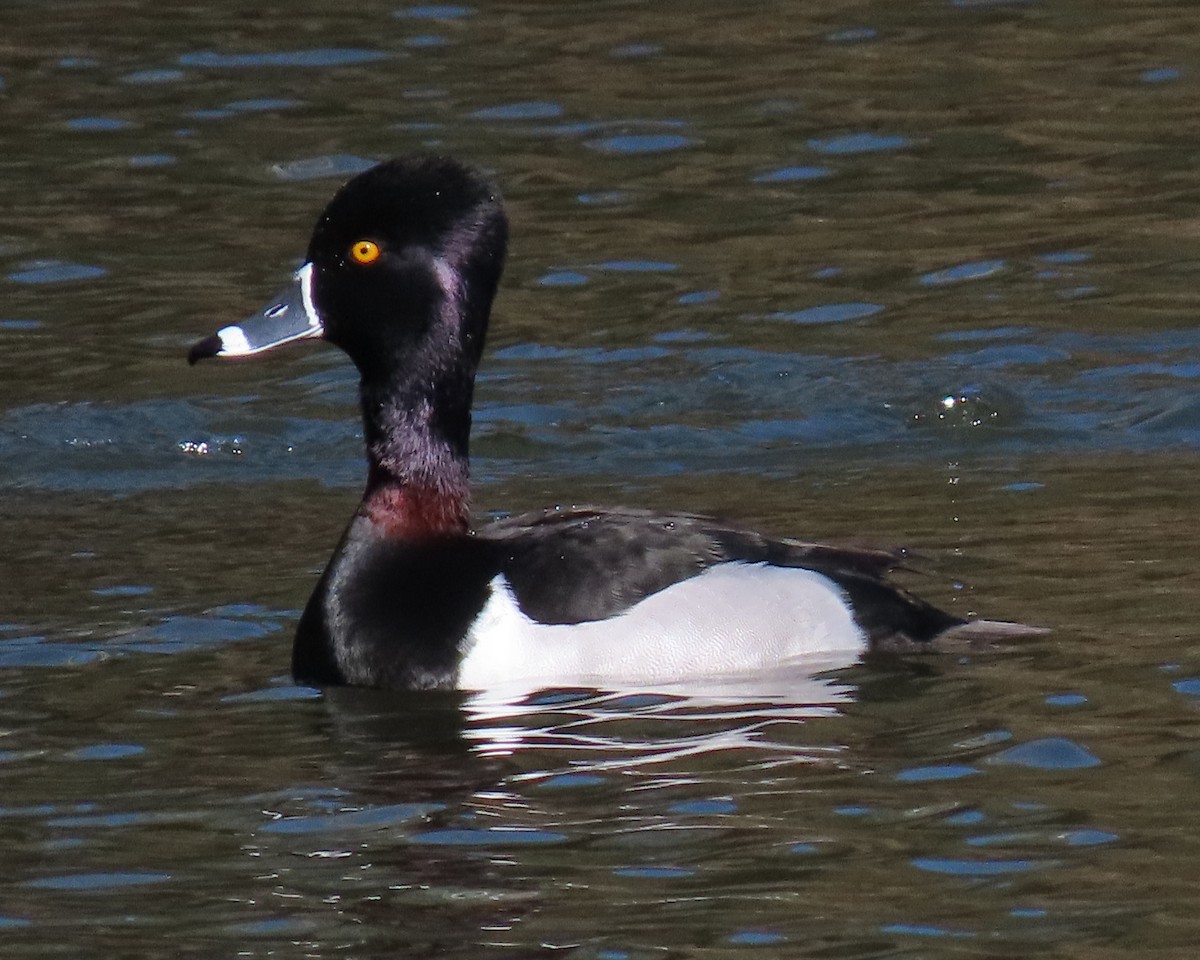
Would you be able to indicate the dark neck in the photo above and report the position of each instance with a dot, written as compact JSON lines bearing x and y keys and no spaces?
{"x":417,"y":413}
{"x":417,"y":429}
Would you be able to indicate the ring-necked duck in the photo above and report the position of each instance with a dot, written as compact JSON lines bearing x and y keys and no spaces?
{"x":401,"y":271}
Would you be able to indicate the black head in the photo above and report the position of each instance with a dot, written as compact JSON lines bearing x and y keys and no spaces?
{"x":401,"y":248}
{"x":401,"y":271}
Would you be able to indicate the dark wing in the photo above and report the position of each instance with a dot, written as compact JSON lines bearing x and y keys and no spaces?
{"x":571,"y":565}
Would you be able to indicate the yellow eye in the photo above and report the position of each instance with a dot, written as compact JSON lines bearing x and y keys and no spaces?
{"x":365,"y":251}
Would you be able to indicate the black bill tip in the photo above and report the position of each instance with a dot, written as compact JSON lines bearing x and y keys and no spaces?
{"x":203,"y":349}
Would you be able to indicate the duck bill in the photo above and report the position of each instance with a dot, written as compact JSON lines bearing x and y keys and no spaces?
{"x":290,"y":316}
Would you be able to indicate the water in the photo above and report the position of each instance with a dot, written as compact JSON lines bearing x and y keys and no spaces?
{"x":892,"y":274}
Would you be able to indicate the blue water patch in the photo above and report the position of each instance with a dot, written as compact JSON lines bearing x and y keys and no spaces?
{"x":250,"y":610}
{"x":78,"y":63}
{"x":426,"y":41}
{"x":554,"y":698}
{"x":852,"y":35}
{"x":493,"y":836}
{"x":13,"y":923}
{"x":562,"y":278}
{"x":1064,"y":257}
{"x":925,"y":930}
{"x":98,"y":124}
{"x":99,"y":820}
{"x":703,"y":807}
{"x":1071,"y":838}
{"x":1160,"y":75}
{"x":146,"y":160}
{"x":965,"y":818}
{"x":320,"y":57}
{"x":631,"y":702}
{"x":181,"y":633}
{"x":698,"y":296}
{"x":434,"y":11}
{"x":654,"y":872}
{"x":989,"y":333}
{"x":15,"y":756}
{"x":284,"y":692}
{"x":634,"y":144}
{"x":123,"y":590}
{"x":1066,"y":700}
{"x":803,"y":847}
{"x":829,"y":313}
{"x":56,"y":271}
{"x":526,"y":352}
{"x":1190,"y":686}
{"x":945,"y":771}
{"x":755,"y":938}
{"x":998,"y":356}
{"x":827,"y":273}
{"x":525,"y":110}
{"x":63,"y":843}
{"x":1030,"y":806}
{"x":20,"y":326}
{"x":371,"y":818}
{"x":1029,"y":912}
{"x":1088,"y":838}
{"x":979,"y":868}
{"x":263,"y":105}
{"x":98,"y":882}
{"x":35,"y":651}
{"x":855,"y":143}
{"x":633,"y":50}
{"x":853,"y":811}
{"x":793,"y":174}
{"x":961,"y":272}
{"x":1023,"y":486}
{"x":153,"y":76}
{"x":270,"y":927}
{"x":209,"y":113}
{"x":425,"y":93}
{"x":637,"y":266}
{"x":1051,"y":753}
{"x":569,"y":781}
{"x":106,"y":751}
{"x":40,"y":810}
{"x":315,"y":168}
{"x":603,"y":198}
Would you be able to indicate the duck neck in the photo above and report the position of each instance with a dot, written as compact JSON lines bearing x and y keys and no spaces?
{"x":417,"y":454}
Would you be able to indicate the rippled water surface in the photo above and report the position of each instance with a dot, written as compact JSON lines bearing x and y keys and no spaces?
{"x":910,"y":273}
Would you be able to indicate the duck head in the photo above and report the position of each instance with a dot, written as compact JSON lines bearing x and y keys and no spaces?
{"x":400,"y":274}
{"x":404,"y":261}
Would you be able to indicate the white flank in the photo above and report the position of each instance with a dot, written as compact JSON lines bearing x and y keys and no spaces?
{"x":733,"y":618}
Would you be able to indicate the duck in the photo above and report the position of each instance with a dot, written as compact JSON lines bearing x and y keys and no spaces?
{"x":400,"y":273}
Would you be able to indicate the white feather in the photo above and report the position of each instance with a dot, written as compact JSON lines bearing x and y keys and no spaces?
{"x":733,"y":618}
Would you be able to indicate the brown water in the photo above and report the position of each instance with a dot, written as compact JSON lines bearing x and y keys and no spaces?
{"x":916,"y":274}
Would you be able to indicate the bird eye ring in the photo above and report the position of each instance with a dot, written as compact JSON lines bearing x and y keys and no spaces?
{"x":365,"y":251}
